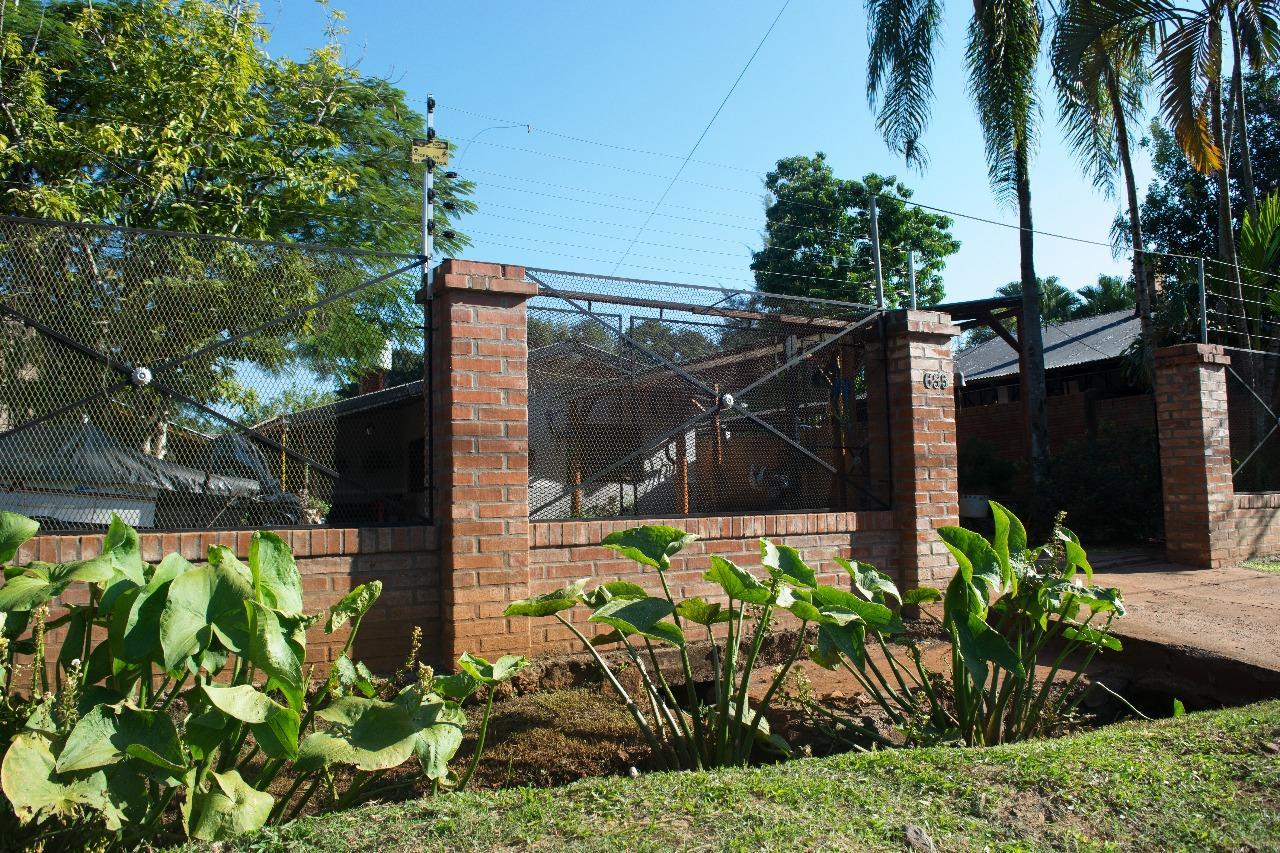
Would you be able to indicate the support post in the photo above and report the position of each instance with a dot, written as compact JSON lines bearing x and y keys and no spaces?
{"x":1195,"y":454}
{"x":480,"y":360}
{"x":922,"y":427}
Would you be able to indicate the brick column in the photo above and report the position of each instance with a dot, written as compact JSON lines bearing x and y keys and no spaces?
{"x":1195,"y":454}
{"x":479,"y":356}
{"x":922,"y":439}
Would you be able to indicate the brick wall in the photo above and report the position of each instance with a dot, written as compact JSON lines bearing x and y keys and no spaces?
{"x":1071,"y":416}
{"x":331,"y":562}
{"x":564,"y":551}
{"x":1256,"y":526}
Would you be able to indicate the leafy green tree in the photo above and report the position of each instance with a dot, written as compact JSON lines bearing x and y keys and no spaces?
{"x":1001,"y":55}
{"x":1111,"y":293}
{"x":817,"y":229}
{"x":1179,"y":212}
{"x":174,"y":116}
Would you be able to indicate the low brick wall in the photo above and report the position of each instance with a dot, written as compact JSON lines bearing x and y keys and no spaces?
{"x":331,"y":562}
{"x":1256,"y":521}
{"x":563,"y":551}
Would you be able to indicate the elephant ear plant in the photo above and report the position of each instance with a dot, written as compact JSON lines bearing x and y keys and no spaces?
{"x":693,"y":734}
{"x":187,"y":685}
{"x":1007,"y":608}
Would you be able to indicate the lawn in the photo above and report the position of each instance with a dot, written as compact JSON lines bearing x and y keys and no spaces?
{"x":1203,"y":781}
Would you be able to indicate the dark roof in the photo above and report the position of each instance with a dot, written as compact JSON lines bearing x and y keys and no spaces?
{"x":82,"y":454}
{"x":1074,"y":342}
{"x":348,"y":405}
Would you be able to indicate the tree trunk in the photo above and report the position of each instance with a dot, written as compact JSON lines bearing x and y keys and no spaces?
{"x":1229,"y":272}
{"x":1032,"y":358}
{"x":1237,"y":86}
{"x":1141,"y":285}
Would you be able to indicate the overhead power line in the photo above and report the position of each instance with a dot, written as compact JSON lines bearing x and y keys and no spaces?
{"x":705,"y":131}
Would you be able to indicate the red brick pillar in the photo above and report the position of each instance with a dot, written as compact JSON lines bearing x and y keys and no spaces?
{"x":1195,"y":454}
{"x":922,"y":441}
{"x":479,"y":356}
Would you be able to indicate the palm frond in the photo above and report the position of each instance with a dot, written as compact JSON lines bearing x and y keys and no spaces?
{"x":1186,"y":67}
{"x":902,"y":36}
{"x":1003,"y":49}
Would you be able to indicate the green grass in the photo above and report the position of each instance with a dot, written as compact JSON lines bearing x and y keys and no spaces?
{"x":1204,"y":781}
{"x":1271,"y":565}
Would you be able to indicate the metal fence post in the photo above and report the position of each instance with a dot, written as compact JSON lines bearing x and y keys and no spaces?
{"x":1204,"y":316}
{"x":875,"y":251}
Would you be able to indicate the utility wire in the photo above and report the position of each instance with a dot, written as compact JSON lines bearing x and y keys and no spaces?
{"x":705,"y":131}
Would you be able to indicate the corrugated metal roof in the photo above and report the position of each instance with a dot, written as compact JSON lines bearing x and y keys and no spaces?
{"x":1075,"y":342}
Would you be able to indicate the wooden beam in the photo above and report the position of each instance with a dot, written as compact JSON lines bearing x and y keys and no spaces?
{"x":994,"y":324}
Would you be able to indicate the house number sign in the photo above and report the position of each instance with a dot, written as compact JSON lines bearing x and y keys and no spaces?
{"x":936,"y":380}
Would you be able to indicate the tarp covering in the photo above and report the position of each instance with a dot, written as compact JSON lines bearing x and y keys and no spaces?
{"x":81,"y":456}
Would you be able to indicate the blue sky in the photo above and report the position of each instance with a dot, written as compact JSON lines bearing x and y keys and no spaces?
{"x":649,"y":76}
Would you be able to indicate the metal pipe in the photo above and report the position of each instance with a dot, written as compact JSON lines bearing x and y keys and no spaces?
{"x":875,"y":251}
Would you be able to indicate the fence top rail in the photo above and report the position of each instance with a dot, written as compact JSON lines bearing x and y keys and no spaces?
{"x":219,"y":238}
{"x":725,"y":292}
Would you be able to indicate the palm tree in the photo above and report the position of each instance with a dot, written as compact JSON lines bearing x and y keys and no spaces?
{"x":1100,"y":91}
{"x":1111,"y":293}
{"x":1001,"y":55}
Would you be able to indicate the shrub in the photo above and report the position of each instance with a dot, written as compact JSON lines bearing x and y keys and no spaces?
{"x":1006,"y":605}
{"x":697,"y":734}
{"x":103,"y":752}
{"x":1123,"y":466}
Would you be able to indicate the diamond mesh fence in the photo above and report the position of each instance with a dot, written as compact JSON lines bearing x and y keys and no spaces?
{"x":652,"y":398}
{"x":192,"y":382}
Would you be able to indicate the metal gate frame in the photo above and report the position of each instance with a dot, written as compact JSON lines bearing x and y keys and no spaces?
{"x":723,"y":400}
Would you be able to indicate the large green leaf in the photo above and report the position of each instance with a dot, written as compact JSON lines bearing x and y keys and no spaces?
{"x":367,"y":734}
{"x":122,"y":546}
{"x":870,"y":583}
{"x":978,"y":560}
{"x":14,"y":530}
{"x":100,"y":737}
{"x":492,"y":673}
{"x":30,"y":781}
{"x":651,"y":545}
{"x":607,"y":592}
{"x":203,"y":602}
{"x":980,"y":644}
{"x":737,"y":582}
{"x":30,"y":586}
{"x":702,"y":612}
{"x":641,"y":616}
{"x":785,"y":561}
{"x":273,"y":651}
{"x":849,"y":640}
{"x":1091,"y":636}
{"x":439,"y":725}
{"x":136,"y":634}
{"x":275,"y":573}
{"x":229,"y":808}
{"x":549,"y":602}
{"x":921,"y":595}
{"x":1073,"y":551}
{"x":877,"y":616}
{"x":354,"y":604}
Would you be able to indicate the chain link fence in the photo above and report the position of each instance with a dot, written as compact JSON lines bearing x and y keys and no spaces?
{"x":192,"y":382}
{"x":652,"y":398}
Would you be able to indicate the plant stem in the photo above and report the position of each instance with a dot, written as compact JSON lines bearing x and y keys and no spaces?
{"x":480,"y":738}
{"x":622,"y":693}
{"x":745,"y":749}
